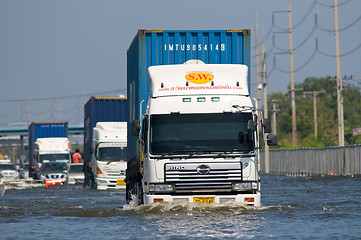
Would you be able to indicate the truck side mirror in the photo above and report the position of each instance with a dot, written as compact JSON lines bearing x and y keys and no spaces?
{"x":91,"y":150}
{"x":135,"y":127}
{"x":266,"y":123}
{"x":252,"y":125}
{"x":272,"y":140}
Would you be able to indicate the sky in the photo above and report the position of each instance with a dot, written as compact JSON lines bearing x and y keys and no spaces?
{"x":54,"y":55}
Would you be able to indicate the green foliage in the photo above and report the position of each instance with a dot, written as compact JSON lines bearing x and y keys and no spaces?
{"x":327,"y":131}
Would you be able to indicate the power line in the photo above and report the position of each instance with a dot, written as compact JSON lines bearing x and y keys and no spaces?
{"x":71,"y":108}
{"x":271,"y":71}
{"x":297,"y":24}
{"x":63,"y":97}
{"x":331,"y":6}
{"x":299,"y":68}
{"x":267,"y":36}
{"x":299,"y":45}
{"x":341,"y":55}
{"x":305,"y":16}
{"x":44,"y":111}
{"x":339,"y":30}
{"x":267,"y":56}
{"x":11,"y":114}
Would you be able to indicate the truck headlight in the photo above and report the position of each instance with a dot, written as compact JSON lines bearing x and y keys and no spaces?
{"x":100,"y":181}
{"x":245,"y":186}
{"x":161,"y":187}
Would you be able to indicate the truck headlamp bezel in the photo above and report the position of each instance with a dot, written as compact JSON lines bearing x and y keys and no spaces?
{"x":161,"y":188}
{"x":245,"y":186}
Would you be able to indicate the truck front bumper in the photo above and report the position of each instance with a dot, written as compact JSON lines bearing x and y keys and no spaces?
{"x":109,"y":183}
{"x":248,"y":199}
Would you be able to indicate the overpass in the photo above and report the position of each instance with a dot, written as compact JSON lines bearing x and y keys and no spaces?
{"x":17,"y":135}
{"x":22,"y":130}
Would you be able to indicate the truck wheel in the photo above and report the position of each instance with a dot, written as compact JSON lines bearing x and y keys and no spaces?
{"x":140,"y":194}
{"x":130,"y":193}
{"x":127,"y":193}
{"x":92,"y":182}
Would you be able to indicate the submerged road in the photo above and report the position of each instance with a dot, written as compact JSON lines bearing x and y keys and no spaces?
{"x":293,"y":208}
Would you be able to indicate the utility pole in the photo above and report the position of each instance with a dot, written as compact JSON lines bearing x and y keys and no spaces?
{"x":341,"y":133}
{"x":59,"y":109}
{"x":265,"y":106}
{"x":315,"y":93}
{"x":28,"y":111}
{"x":257,"y":67}
{"x":293,"y":101}
{"x":274,"y":121}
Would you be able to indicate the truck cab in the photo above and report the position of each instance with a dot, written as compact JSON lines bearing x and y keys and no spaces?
{"x":51,"y":150}
{"x":199,"y":137}
{"x":109,"y":155}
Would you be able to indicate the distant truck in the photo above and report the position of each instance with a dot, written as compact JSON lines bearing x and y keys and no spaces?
{"x":195,"y":130}
{"x":110,"y":154}
{"x":105,"y":142}
{"x":48,"y":143}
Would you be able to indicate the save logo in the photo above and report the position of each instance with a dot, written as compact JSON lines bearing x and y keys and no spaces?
{"x":199,"y":77}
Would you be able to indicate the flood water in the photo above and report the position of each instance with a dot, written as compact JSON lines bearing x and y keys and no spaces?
{"x":293,"y":208}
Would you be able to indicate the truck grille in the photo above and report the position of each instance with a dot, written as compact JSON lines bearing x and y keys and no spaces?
{"x":54,"y":176}
{"x":8,"y":173}
{"x":115,"y":173}
{"x":203,"y":177}
{"x":203,"y":187}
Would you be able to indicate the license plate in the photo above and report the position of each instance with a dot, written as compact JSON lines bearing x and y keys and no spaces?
{"x":203,"y":200}
{"x":120,"y":182}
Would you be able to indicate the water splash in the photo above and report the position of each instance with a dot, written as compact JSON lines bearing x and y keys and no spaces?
{"x":191,"y":208}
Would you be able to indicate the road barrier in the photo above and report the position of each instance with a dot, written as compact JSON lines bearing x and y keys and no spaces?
{"x":315,"y":161}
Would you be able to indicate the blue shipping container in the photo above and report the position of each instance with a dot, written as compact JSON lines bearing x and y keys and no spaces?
{"x":164,"y":47}
{"x":101,"y":109}
{"x":43,"y":130}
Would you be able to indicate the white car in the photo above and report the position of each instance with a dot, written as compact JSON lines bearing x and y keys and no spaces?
{"x":8,"y":170}
{"x":76,"y":174}
{"x":54,"y":171}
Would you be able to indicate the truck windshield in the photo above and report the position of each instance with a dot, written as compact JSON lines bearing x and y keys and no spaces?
{"x":187,"y":133}
{"x":53,"y":166}
{"x":54,"y":157}
{"x":112,"y":154}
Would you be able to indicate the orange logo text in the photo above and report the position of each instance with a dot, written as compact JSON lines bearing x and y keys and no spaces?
{"x":199,"y":77}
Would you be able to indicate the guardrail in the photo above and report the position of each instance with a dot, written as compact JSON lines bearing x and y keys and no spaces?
{"x":315,"y":161}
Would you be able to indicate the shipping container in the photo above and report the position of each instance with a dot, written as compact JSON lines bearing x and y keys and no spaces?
{"x":44,"y":130}
{"x":101,"y":109}
{"x":165,"y":47}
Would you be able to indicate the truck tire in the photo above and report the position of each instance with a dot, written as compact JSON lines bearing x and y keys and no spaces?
{"x":128,"y":194}
{"x":93,"y":184}
{"x":133,"y":193}
{"x":140,"y":194}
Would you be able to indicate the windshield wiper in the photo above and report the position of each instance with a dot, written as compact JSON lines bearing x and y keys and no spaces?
{"x":232,"y":151}
{"x":219,"y":153}
{"x":181,"y":152}
{"x":187,"y":152}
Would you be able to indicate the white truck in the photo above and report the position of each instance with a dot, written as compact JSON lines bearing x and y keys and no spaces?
{"x":109,"y":157}
{"x":50,"y":149}
{"x":199,"y":137}
{"x":54,"y":152}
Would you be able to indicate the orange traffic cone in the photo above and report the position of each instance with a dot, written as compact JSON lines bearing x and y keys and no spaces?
{"x":330,"y":173}
{"x":49,"y":183}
